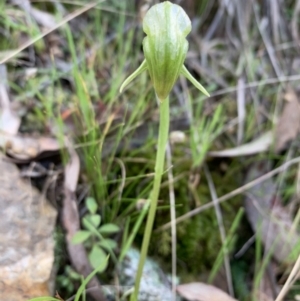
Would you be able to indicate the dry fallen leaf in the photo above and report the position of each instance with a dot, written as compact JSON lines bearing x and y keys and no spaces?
{"x":257,"y":146}
{"x":27,"y":148}
{"x":26,"y":243}
{"x":288,"y":125}
{"x":267,"y":215}
{"x":21,"y":148}
{"x":197,"y":291}
{"x":267,"y":289}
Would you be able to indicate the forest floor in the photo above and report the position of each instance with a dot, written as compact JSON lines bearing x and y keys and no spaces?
{"x":232,"y":165}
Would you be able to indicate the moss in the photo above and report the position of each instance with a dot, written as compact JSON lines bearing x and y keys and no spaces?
{"x":198,"y":237}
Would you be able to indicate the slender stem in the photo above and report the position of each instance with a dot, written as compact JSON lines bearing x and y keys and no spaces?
{"x":173,"y":218}
{"x":159,"y":169}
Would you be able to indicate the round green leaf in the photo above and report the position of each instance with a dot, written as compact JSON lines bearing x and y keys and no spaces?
{"x":108,"y":244}
{"x":87,"y":224}
{"x":109,"y":229}
{"x":95,"y":219}
{"x":97,"y":256}
{"x":91,"y":205}
{"x":80,"y":237}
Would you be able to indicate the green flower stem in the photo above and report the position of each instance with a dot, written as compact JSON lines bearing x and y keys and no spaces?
{"x":159,"y":170}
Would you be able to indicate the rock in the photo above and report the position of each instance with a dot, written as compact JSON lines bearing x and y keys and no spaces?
{"x":26,"y":243}
{"x":155,"y":284}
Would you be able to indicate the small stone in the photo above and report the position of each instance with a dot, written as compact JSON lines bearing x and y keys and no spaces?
{"x":177,"y":137}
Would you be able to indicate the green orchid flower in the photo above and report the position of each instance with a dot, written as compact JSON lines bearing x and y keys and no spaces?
{"x":165,"y":47}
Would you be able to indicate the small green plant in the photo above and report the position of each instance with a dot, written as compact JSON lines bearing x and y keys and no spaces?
{"x":94,"y":235}
{"x":165,"y":47}
{"x":66,"y":280}
{"x":81,"y":290}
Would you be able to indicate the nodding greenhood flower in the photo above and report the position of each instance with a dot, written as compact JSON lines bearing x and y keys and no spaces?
{"x":165,"y":47}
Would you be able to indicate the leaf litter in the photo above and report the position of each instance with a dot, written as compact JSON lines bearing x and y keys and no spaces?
{"x":257,"y":146}
{"x":24,"y":149}
{"x":270,"y":219}
{"x":198,"y":291}
{"x":288,"y":126}
{"x":19,"y":147}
